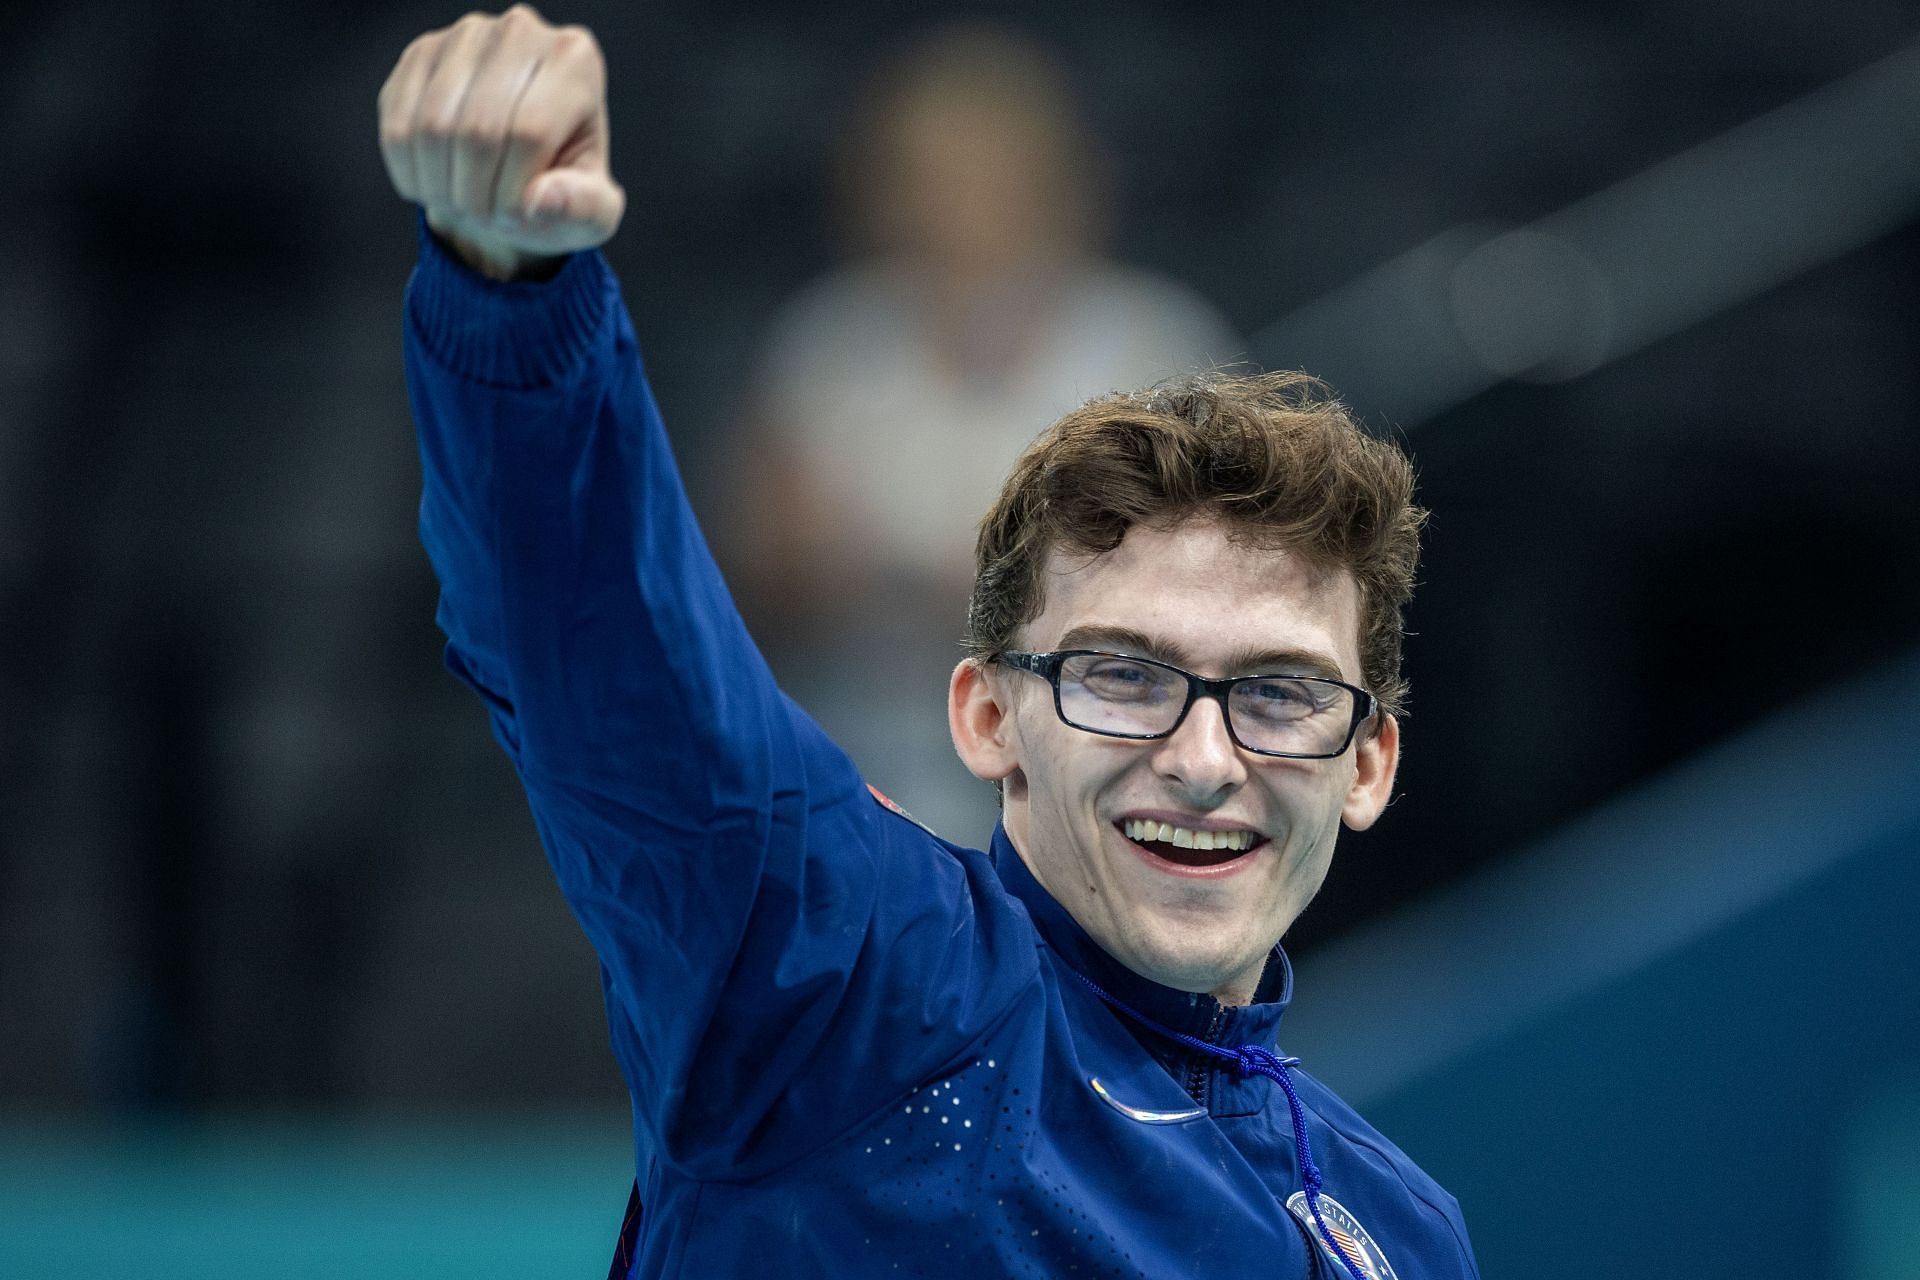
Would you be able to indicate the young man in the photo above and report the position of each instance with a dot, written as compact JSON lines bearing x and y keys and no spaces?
{"x":855,"y":1049}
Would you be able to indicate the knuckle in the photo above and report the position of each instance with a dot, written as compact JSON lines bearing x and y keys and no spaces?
{"x":574,"y":40}
{"x":439,"y":123}
{"x":481,"y":140}
{"x":409,"y":58}
{"x":528,"y":134}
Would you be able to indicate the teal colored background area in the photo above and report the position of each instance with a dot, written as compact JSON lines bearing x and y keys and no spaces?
{"x":1880,"y":1196}
{"x":1724,"y":1111}
{"x":323,"y":1196}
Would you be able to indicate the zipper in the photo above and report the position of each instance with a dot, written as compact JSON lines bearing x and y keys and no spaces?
{"x":1197,"y":1068}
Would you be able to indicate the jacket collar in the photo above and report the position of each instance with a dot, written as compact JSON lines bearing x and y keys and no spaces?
{"x":1194,"y":1014}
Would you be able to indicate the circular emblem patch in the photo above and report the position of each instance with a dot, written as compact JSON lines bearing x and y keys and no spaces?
{"x":1347,"y":1232}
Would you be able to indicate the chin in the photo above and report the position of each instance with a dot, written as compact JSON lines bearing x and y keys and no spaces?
{"x":1191,"y":967}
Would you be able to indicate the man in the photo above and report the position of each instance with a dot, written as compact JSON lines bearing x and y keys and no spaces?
{"x":853,"y":1048}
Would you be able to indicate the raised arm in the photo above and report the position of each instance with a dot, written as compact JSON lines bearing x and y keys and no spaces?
{"x":762,"y":924}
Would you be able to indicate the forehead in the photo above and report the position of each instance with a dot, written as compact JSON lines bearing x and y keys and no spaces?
{"x":1197,"y":591}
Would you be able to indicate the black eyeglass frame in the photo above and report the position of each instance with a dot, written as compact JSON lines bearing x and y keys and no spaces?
{"x":1047,"y":667}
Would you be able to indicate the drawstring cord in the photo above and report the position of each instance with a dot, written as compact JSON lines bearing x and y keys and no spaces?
{"x":1251,"y":1059}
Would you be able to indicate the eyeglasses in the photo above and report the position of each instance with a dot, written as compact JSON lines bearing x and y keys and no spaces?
{"x":1299,"y":717}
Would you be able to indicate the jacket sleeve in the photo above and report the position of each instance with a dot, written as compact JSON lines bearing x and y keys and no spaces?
{"x":782,"y":955}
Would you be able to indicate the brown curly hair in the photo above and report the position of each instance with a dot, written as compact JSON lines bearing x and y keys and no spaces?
{"x":1275,"y":456}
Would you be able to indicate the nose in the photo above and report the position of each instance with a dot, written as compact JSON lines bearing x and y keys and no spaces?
{"x":1200,"y":756}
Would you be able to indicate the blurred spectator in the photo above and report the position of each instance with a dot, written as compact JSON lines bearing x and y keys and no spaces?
{"x":896,"y":391}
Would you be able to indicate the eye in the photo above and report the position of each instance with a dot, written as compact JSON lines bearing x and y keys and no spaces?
{"x":1280,"y":699}
{"x":1119,"y":680}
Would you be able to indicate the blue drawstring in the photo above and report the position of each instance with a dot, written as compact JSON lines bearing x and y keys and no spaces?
{"x":1252,"y":1060}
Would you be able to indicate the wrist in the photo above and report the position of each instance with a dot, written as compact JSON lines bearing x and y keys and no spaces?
{"x":518,"y":334}
{"x":491,"y":257}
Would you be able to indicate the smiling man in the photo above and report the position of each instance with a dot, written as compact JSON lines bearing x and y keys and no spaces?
{"x":1186,"y":828}
{"x":856,"y":1049}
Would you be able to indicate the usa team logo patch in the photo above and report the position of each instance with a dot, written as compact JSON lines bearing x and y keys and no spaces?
{"x":1347,"y":1231}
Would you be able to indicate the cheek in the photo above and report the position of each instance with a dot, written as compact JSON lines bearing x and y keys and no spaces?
{"x":1048,"y":750}
{"x":1033,"y":751}
{"x":1030,"y":717}
{"x":1313,"y":804}
{"x":1310,"y":786}
{"x":1321,"y":835}
{"x":1026,"y":741}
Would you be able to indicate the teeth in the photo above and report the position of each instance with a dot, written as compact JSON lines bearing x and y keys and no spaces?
{"x":1181,"y":837}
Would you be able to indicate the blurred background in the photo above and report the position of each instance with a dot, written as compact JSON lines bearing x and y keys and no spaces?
{"x":1628,"y":966}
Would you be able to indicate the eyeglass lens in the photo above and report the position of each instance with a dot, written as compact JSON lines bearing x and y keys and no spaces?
{"x":1107,"y":694}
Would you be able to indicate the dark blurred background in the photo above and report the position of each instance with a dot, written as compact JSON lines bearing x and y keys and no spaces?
{"x":258,"y":855}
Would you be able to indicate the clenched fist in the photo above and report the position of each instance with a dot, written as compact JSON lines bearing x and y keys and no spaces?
{"x":497,"y":127}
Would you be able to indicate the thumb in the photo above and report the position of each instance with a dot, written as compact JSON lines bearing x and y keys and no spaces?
{"x":577,"y":208}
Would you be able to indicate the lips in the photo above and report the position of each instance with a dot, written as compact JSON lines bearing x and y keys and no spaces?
{"x":1191,"y":857}
{"x":1188,"y":848}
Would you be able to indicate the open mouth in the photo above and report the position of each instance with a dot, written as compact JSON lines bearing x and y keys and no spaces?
{"x":1189,"y":847}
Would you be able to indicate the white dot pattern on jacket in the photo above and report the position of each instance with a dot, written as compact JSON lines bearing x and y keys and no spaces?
{"x":962,"y":1161}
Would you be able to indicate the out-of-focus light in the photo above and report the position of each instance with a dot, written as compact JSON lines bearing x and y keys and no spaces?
{"x":1681,"y":241}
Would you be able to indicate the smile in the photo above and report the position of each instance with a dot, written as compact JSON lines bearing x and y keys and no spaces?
{"x":1189,"y":849}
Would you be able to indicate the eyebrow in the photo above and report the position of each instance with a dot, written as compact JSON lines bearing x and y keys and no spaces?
{"x":1291,"y":662}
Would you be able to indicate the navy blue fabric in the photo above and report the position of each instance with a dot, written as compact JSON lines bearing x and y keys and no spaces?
{"x":854,"y":1049}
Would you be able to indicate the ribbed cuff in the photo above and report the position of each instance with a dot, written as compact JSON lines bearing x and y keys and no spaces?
{"x":507,"y":333}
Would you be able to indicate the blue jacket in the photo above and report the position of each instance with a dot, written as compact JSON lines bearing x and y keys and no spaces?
{"x":854,"y":1048}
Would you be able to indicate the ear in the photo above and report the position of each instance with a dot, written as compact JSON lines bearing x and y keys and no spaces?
{"x":1376,"y":756}
{"x":976,"y":716}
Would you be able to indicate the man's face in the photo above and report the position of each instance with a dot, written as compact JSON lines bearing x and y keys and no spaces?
{"x":1190,"y":596}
